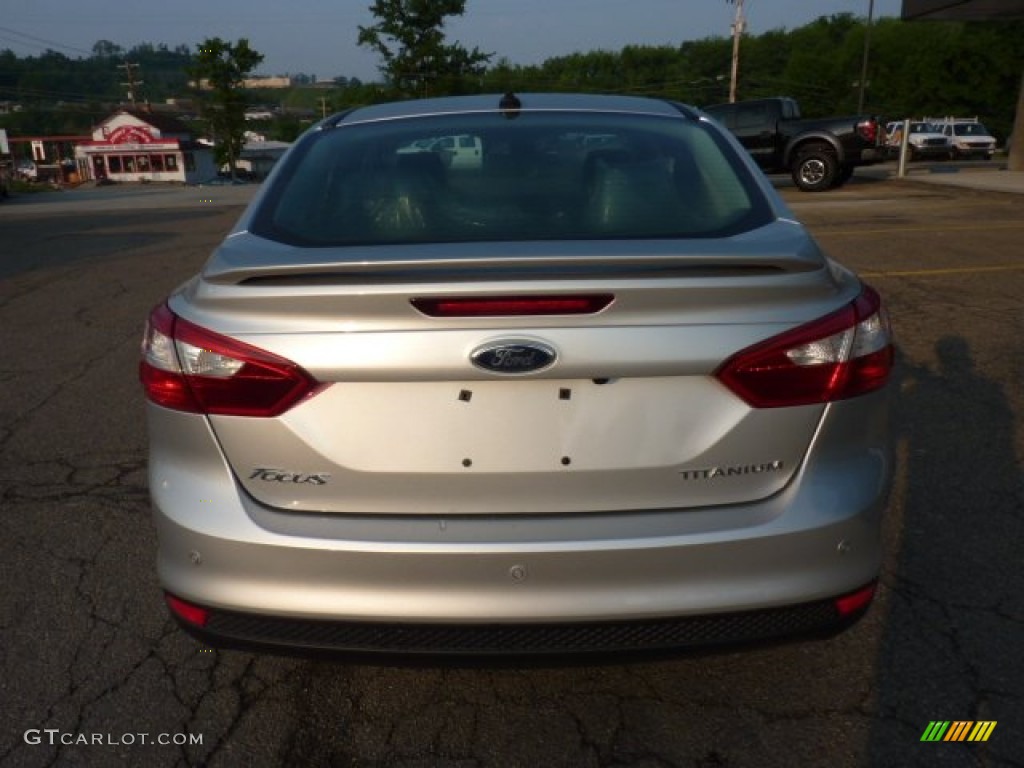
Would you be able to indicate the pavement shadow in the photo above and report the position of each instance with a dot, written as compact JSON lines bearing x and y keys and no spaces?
{"x":951,"y":645}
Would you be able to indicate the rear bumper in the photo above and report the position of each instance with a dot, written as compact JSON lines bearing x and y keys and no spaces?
{"x":635,"y":594}
{"x":258,"y":632}
{"x":870,"y":156}
{"x":526,"y":583}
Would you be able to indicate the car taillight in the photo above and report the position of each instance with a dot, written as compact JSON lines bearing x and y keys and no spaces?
{"x":839,"y":356}
{"x":869,"y":130}
{"x":188,"y":368}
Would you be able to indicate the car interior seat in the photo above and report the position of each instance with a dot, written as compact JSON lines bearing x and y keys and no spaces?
{"x":410,"y":196}
{"x":629,"y":194}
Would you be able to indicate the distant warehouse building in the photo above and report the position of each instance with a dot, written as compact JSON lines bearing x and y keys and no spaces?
{"x":137,"y":146}
{"x":259,"y":156}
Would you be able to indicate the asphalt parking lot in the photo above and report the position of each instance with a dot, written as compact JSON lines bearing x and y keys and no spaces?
{"x":93,"y":673}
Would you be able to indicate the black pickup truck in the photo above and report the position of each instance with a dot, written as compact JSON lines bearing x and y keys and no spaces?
{"x":818,"y":153}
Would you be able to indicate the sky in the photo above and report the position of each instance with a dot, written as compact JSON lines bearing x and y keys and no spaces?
{"x":318,"y":37}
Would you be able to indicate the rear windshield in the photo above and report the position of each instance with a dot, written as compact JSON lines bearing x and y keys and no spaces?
{"x":485,"y":177}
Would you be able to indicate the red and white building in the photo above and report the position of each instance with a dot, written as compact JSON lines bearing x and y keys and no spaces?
{"x":143,"y":146}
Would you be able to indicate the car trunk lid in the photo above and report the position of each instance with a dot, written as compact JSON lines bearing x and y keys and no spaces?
{"x":628,"y":414}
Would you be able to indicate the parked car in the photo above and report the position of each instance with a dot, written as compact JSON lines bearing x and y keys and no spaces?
{"x":969,"y":137}
{"x":562,"y":402}
{"x":455,"y":151}
{"x":27,"y":170}
{"x":818,"y":153}
{"x":924,"y":140}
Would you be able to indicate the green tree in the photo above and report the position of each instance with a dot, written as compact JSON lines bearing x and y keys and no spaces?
{"x":409,"y":36}
{"x":219,"y":71}
{"x":104,"y":49}
{"x":823,"y":64}
{"x":706,"y":66}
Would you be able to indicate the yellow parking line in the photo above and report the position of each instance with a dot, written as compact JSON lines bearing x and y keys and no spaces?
{"x":947,"y":271}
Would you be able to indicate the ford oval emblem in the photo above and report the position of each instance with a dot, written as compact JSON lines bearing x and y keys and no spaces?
{"x":514,"y":357}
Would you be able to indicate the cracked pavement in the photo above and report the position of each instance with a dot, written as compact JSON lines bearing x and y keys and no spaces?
{"x":87,"y":650}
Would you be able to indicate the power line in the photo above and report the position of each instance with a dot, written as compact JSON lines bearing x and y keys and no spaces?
{"x":863,"y":83}
{"x":37,"y":93}
{"x":32,"y":39}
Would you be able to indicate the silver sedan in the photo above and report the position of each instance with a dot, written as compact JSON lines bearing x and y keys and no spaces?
{"x":596,"y":390}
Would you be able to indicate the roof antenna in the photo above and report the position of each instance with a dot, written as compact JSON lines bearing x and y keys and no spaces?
{"x":510,"y":105}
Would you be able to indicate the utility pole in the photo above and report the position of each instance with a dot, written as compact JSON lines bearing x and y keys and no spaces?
{"x":738,"y":25}
{"x":863,"y":84}
{"x":1016,"y":143}
{"x":129,"y":71}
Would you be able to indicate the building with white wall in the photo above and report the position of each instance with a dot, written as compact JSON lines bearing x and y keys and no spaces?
{"x":141,"y":146}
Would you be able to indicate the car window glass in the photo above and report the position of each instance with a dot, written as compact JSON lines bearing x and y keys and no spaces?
{"x":483,"y":177}
{"x":751,"y":116}
{"x":726,"y":115}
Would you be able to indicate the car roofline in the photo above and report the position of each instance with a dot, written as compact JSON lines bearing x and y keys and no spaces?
{"x":528,"y":102}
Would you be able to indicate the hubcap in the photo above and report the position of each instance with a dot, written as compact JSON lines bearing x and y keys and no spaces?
{"x":813,"y":171}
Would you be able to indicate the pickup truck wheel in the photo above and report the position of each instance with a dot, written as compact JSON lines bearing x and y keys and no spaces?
{"x":815,"y":169}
